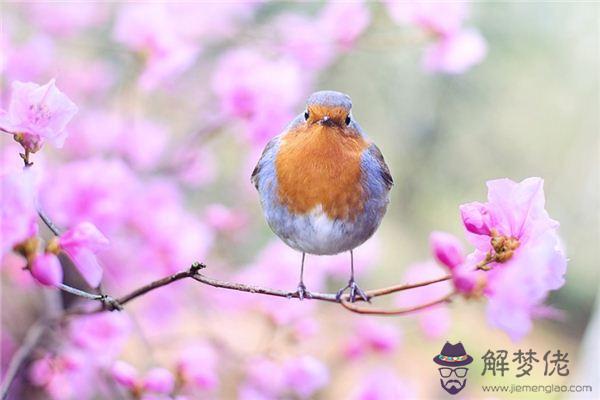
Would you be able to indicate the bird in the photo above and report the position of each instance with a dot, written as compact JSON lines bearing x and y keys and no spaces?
{"x":323,"y":184}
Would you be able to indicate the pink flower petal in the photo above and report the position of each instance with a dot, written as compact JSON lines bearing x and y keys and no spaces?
{"x":446,"y":248}
{"x":84,"y":234}
{"x":125,"y":374}
{"x":87,"y":264}
{"x":159,"y":380}
{"x":46,"y":269}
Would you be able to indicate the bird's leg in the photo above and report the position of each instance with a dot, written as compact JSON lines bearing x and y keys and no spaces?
{"x":301,"y":291}
{"x":354,"y":289}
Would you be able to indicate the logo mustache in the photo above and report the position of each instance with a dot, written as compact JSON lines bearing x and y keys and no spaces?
{"x":452,"y":383}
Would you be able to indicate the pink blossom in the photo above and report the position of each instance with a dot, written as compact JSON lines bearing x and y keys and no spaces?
{"x":195,"y":166}
{"x":440,"y":18}
{"x":475,"y":217}
{"x":64,"y":376}
{"x":38,"y":113}
{"x":248,"y":392}
{"x":212,"y":20}
{"x":517,"y":290}
{"x":92,"y":138}
{"x":125,"y":374}
{"x":31,"y":60}
{"x":197,"y":365}
{"x":264,"y":379}
{"x":96,"y":190}
{"x":305,"y":375}
{"x":66,"y":20}
{"x":514,"y":210}
{"x":18,"y":214}
{"x":382,"y":384}
{"x":80,"y":243}
{"x":150,"y":30}
{"x":225,"y":219}
{"x":140,"y":141}
{"x":372,"y":335}
{"x":530,"y":259}
{"x":303,"y":39}
{"x":466,"y":279}
{"x":86,"y":78}
{"x":255,"y":89}
{"x":446,"y":249}
{"x":46,"y":269}
{"x":433,"y":321}
{"x":159,"y":380}
{"x":40,"y":371}
{"x":103,"y":335}
{"x":167,"y":249}
{"x":455,"y":53}
{"x":145,"y":143}
{"x":344,"y":21}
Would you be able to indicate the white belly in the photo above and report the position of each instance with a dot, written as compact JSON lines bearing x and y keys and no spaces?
{"x":316,"y":233}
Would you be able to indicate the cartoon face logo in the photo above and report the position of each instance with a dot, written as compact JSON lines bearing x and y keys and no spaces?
{"x":452,"y":361}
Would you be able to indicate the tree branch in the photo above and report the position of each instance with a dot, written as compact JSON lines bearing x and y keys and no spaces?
{"x":193,"y":273}
{"x":396,"y":311}
{"x":32,"y":338}
{"x":111,"y":304}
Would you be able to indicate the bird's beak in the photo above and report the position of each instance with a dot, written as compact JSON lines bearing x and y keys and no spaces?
{"x":326,"y":120}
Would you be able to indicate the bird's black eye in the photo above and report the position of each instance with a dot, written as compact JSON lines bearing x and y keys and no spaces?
{"x":306,"y":115}
{"x":348,"y":120}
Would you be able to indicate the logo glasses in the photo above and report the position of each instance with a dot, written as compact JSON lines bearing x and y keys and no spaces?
{"x":459,"y":372}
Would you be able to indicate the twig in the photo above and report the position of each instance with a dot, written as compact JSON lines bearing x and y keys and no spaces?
{"x":112,"y":304}
{"x":261,"y":290}
{"x":242,"y":287}
{"x":108,"y":302}
{"x":32,"y":338}
{"x":46,"y":220}
{"x":395,"y":311}
{"x":400,"y":288}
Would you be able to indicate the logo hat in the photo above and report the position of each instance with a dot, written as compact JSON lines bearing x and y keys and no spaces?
{"x":453,"y":355}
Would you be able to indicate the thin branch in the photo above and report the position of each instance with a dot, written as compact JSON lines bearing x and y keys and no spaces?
{"x":395,"y":311}
{"x":400,"y":288}
{"x":159,"y":283}
{"x":111,"y":304}
{"x":46,"y":220}
{"x":108,"y":302}
{"x":32,"y":338}
{"x":241,"y":287}
{"x":193,"y":273}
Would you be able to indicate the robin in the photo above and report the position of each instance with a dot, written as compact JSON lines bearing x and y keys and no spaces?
{"x":323,"y":185}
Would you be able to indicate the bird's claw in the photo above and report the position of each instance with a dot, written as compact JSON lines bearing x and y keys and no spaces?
{"x":301,"y":292}
{"x":354,"y":291}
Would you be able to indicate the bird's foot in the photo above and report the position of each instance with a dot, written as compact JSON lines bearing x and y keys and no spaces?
{"x":301,"y":292}
{"x":354,"y":291}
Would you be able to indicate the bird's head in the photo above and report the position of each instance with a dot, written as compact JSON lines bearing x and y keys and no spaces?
{"x":332,"y":109}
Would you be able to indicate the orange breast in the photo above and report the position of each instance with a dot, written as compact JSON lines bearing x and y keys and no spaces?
{"x":318,"y":165}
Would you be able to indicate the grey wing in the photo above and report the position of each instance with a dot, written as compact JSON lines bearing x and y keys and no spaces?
{"x":384,"y":171}
{"x":265,"y":154}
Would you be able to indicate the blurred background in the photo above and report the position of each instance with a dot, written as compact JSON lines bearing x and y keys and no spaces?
{"x":176,"y":102}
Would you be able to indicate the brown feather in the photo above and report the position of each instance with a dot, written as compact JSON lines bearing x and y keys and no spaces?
{"x":321,"y":165}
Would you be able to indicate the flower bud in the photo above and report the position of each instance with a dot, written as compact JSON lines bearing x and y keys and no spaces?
{"x":125,"y":374}
{"x":476,"y":218}
{"x":159,"y":380}
{"x":446,"y":249}
{"x":468,"y":281}
{"x":46,"y":269}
